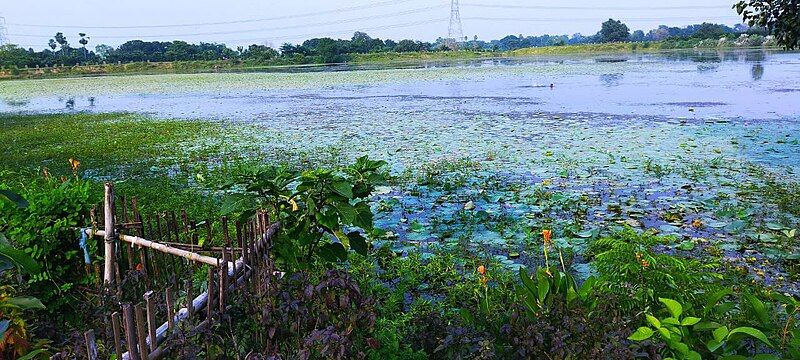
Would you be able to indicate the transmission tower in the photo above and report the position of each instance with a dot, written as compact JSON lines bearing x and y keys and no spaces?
{"x":3,"y":33}
{"x":455,"y":32}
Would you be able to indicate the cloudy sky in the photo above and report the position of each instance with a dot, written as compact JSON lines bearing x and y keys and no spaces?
{"x":242,"y":22}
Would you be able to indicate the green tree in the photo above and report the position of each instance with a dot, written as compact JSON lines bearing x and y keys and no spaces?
{"x":62,"y":41}
{"x":83,"y":41}
{"x":780,"y":17}
{"x":614,"y":31}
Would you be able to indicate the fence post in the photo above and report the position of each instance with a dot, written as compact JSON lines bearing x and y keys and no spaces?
{"x":130,"y":331}
{"x":91,"y":346}
{"x":110,"y":235}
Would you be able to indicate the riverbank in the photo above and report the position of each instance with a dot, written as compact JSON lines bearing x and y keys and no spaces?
{"x":360,"y":61}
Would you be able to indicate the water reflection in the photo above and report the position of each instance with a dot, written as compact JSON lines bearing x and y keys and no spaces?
{"x":757,"y":71}
{"x":16,"y":103}
{"x":91,"y":101}
{"x":611,"y":80}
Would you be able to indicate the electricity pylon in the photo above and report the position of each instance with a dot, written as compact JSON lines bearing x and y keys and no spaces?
{"x":455,"y":32}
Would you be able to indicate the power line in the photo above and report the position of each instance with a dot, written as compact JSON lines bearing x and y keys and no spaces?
{"x":330,"y":33}
{"x":549,"y":7}
{"x":283,"y":17}
{"x":601,"y":18}
{"x":3,"y":33}
{"x":297,"y":26}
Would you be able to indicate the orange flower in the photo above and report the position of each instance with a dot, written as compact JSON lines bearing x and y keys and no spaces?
{"x":75,"y":164}
{"x":482,"y":270}
{"x":139,"y":267}
{"x":548,"y":237}
{"x":645,"y":263}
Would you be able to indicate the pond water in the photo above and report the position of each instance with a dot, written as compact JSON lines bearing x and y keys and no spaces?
{"x":684,"y":143}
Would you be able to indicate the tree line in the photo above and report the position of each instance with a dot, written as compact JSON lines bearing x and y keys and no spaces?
{"x":328,"y":50}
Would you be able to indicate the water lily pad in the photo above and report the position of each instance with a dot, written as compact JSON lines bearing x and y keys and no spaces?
{"x":775,"y":226}
{"x":687,"y":245}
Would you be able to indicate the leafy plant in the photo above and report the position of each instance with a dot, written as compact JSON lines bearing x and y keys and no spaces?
{"x":547,"y":286}
{"x":44,"y":229}
{"x":320,"y":211}
{"x":630,"y":269}
{"x":679,"y":332}
{"x":13,"y":328}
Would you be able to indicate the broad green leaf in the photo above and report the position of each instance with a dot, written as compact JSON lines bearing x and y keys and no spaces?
{"x":364,"y":216}
{"x":753,"y":332}
{"x":528,"y":283}
{"x":641,"y":334}
{"x":19,"y":258}
{"x":358,"y":243}
{"x":758,"y":308}
{"x":653,"y":321}
{"x":720,"y":333}
{"x":343,"y":188}
{"x":543,"y":285}
{"x":333,"y":252}
{"x":714,"y":298}
{"x":674,"y":307}
{"x":689,"y":321}
{"x":671,"y":321}
{"x":665,"y":333}
{"x":14,"y":198}
{"x":713,"y":345}
{"x":347,"y":212}
{"x":25,"y":302}
{"x":694,"y":355}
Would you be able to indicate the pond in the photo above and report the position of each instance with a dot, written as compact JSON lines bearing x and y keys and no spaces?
{"x":691,"y":144}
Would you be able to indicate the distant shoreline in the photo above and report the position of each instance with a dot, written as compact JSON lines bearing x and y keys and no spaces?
{"x":357,"y":61}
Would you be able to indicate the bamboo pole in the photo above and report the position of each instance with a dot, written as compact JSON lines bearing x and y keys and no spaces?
{"x":109,"y":234}
{"x":135,"y":240}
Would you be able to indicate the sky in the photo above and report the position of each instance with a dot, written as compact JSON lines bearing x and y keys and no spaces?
{"x":244,"y":22}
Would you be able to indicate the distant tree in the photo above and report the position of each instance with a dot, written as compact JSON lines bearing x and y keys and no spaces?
{"x":780,"y":17}
{"x":407,"y":46}
{"x":710,"y":31}
{"x":52,"y":44}
{"x":103,"y":51}
{"x":614,"y":31}
{"x":637,"y":35}
{"x":84,"y":41}
{"x":259,"y":53}
{"x":62,"y":41}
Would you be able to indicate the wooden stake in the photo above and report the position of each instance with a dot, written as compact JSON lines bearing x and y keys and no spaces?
{"x":209,"y":303}
{"x":189,"y":298}
{"x":141,"y":332}
{"x":130,"y":332}
{"x":91,"y":346}
{"x":151,"y":319}
{"x":170,"y":308}
{"x":115,"y":326}
{"x":110,"y":234}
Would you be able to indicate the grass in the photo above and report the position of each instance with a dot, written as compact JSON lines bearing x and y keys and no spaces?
{"x":99,"y":141}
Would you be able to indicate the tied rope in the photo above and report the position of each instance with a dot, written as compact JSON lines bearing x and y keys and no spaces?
{"x":84,"y":245}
